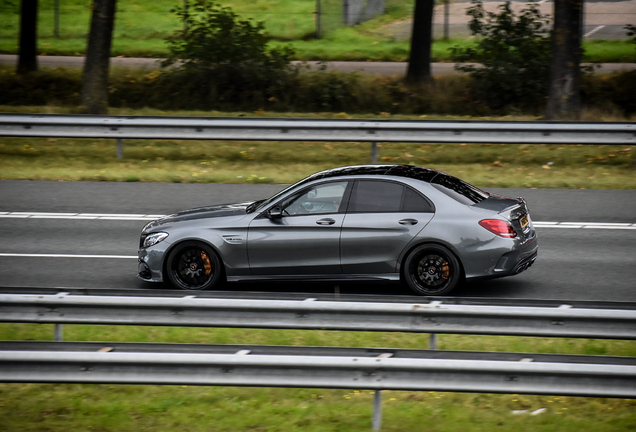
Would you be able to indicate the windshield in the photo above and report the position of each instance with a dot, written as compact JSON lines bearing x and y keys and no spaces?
{"x":259,"y":205}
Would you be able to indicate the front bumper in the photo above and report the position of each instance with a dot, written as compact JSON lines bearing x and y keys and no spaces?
{"x":149,"y":264}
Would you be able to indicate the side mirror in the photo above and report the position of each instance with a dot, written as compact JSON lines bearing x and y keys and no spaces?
{"x":275,"y":213}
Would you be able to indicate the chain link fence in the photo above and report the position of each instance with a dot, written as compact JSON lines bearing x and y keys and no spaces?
{"x":65,"y":19}
{"x":602,"y":19}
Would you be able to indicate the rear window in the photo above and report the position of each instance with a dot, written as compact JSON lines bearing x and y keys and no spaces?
{"x":459,"y":190}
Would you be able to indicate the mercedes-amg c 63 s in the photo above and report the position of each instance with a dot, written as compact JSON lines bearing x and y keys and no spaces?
{"x":371,"y":222}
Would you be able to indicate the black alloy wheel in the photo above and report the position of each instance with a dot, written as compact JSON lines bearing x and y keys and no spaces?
{"x":193,"y":266}
{"x":432,"y":270}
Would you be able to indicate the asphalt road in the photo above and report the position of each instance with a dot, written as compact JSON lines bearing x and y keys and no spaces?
{"x":574,"y":263}
{"x":370,"y":68}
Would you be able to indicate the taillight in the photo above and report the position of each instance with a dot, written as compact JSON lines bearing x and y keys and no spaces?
{"x":498,"y":227}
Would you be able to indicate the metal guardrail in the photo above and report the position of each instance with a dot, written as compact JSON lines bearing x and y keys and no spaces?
{"x":268,"y":129}
{"x":298,"y":295}
{"x":382,"y":372}
{"x":426,"y":317}
{"x":373,"y":369}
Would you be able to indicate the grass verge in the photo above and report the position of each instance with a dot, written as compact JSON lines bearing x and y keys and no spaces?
{"x":141,"y":28}
{"x":59,"y":407}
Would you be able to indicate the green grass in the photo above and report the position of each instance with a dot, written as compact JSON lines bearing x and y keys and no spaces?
{"x":57,"y":407}
{"x":497,"y":165}
{"x":141,"y":28}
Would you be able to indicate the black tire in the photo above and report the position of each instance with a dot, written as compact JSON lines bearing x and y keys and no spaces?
{"x":193,"y":266}
{"x":432,"y":270}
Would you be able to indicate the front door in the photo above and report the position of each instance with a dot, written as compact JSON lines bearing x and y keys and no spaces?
{"x":304,"y":239}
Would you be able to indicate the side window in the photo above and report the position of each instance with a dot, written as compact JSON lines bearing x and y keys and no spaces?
{"x":324,"y":198}
{"x":414,"y":202}
{"x":369,"y":196}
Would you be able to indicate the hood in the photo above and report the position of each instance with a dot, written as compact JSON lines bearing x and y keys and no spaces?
{"x":214,"y":211}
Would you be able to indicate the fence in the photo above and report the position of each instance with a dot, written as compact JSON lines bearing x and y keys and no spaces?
{"x":358,"y":368}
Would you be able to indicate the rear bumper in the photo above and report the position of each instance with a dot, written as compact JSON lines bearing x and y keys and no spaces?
{"x":517,"y":260}
{"x":525,"y":264}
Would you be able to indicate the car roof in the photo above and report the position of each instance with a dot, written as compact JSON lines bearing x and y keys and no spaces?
{"x":410,"y":171}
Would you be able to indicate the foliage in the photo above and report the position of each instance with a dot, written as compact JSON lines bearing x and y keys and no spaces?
{"x":218,"y":54}
{"x":620,"y":85}
{"x":318,"y":91}
{"x":514,"y":53}
{"x":631,"y":32}
{"x":9,"y":6}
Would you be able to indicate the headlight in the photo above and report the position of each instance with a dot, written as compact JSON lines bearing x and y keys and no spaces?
{"x":154,"y":238}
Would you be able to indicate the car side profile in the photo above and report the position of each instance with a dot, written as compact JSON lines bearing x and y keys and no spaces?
{"x":369,"y":222}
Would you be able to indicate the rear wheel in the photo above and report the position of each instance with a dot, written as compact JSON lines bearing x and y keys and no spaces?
{"x":432,"y":270}
{"x":193,"y":266}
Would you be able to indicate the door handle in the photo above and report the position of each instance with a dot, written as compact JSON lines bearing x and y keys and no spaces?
{"x":325,"y":221}
{"x":408,"y":222}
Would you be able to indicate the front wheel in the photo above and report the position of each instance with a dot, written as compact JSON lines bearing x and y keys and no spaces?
{"x":193,"y":266}
{"x":432,"y":270}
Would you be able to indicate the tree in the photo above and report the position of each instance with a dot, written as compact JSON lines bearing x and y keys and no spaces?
{"x":95,"y":77}
{"x":419,"y":67}
{"x":564,"y":99}
{"x":27,"y":54}
{"x":514,"y":53}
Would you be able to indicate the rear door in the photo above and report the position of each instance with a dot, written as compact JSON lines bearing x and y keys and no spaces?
{"x":382,"y":218}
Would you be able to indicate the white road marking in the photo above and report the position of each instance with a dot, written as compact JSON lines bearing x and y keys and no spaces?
{"x":18,"y":255}
{"x":102,"y":216}
{"x":585,"y":225}
{"x":23,"y":215}
{"x":591,"y":32}
{"x":150,"y":217}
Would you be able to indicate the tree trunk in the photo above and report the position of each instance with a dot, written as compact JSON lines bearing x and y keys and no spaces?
{"x":564,"y":99}
{"x":27,"y":54}
{"x":95,"y":78}
{"x":419,"y":68}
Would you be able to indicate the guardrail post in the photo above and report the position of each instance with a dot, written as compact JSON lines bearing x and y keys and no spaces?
{"x":120,"y":148}
{"x":377,"y":410}
{"x":374,"y":152}
{"x":59,"y":336}
{"x":432,"y":342}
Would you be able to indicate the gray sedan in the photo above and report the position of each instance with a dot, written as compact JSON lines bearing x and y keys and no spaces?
{"x":371,"y":222}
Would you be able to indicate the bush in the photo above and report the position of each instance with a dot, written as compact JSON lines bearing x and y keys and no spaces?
{"x":514,"y":53}
{"x":59,"y":86}
{"x":612,"y":91}
{"x":307,"y":92}
{"x":218,"y":56}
